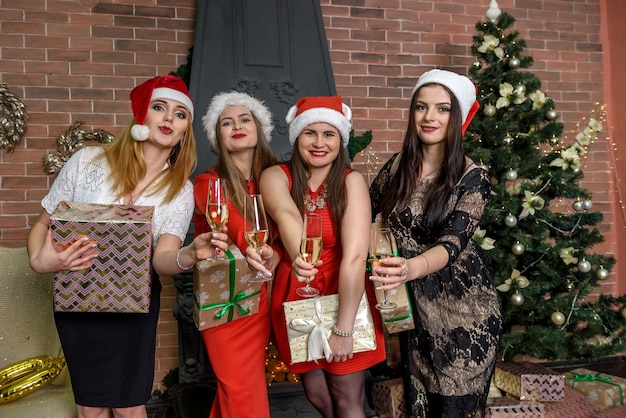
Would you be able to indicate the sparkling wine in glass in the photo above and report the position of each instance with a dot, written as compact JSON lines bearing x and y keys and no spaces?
{"x":382,"y":245}
{"x":310,"y":249}
{"x":217,"y":207}
{"x":255,"y":228}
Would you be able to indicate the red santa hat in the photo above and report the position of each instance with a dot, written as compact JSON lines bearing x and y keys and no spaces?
{"x":328,"y":109}
{"x":160,"y":87}
{"x":462,"y":88}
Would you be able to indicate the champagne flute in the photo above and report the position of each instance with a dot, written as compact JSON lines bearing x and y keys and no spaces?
{"x":310,"y":249}
{"x":217,"y":208}
{"x":255,"y":228}
{"x":382,"y":244}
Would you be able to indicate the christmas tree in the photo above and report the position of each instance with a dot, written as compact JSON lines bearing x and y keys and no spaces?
{"x":539,"y":227}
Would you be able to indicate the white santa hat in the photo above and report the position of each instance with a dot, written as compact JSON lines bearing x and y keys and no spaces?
{"x":328,"y":109}
{"x":462,"y":88}
{"x":160,"y":87}
{"x":222,"y":100}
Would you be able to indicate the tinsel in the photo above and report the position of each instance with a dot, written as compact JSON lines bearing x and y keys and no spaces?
{"x":71,"y":141}
{"x":13,"y":119}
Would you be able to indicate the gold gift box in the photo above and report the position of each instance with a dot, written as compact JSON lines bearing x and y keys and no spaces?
{"x":222,"y":290}
{"x":606,"y":391}
{"x":388,"y":398}
{"x":310,"y":323}
{"x":529,"y":381}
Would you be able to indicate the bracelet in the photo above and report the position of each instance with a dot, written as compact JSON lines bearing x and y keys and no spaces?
{"x":427,"y":264}
{"x":178,"y":260}
{"x":341,"y":333}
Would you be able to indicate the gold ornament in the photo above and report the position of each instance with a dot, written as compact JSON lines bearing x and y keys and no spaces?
{"x":23,"y":377}
{"x":557,"y":318}
{"x":517,"y":299}
{"x":602,"y":273}
{"x":12,"y":119}
{"x":71,"y":141}
{"x":489,"y":110}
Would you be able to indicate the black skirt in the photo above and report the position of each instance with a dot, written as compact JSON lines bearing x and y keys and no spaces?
{"x":110,"y":356}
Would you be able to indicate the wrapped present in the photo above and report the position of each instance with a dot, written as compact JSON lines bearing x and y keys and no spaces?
{"x":388,"y":398}
{"x":120,"y":278}
{"x":401,"y":317}
{"x":606,"y":391}
{"x":617,"y":412}
{"x":529,"y":381}
{"x":222,"y":290}
{"x":573,"y":405}
{"x":310,"y":322}
{"x":509,"y":407}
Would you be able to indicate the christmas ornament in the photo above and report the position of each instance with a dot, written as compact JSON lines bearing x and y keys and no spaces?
{"x":602,"y":273}
{"x":484,"y":167}
{"x":576,"y":170}
{"x":578,"y":205}
{"x":584,"y":266}
{"x":518,"y":248}
{"x":587,"y":204}
{"x":557,"y":318}
{"x":489,"y":110}
{"x":570,"y":286}
{"x":511,"y":175}
{"x":510,"y":220}
{"x":13,"y":119}
{"x":477,"y":64}
{"x":514,"y":62}
{"x":517,"y":299}
{"x":520,"y":90}
{"x":508,"y":139}
{"x":493,"y":12}
{"x":554,"y":140}
{"x":552,"y":114}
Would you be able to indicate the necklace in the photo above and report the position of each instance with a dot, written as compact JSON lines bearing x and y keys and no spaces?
{"x":319,"y":202}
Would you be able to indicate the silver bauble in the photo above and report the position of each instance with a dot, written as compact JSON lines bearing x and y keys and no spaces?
{"x":557,"y":318}
{"x":587,"y":204}
{"x":520,"y":90}
{"x":489,"y":110}
{"x":584,"y":266}
{"x":511,"y":175}
{"x":578,"y":205}
{"x":602,"y":273}
{"x":518,"y":248}
{"x":477,"y":64}
{"x":517,"y":299}
{"x":576,"y":170}
{"x":510,"y":220}
{"x":552,"y":114}
{"x":514,"y":62}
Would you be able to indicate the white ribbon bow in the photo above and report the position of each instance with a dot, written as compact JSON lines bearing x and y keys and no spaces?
{"x":318,"y":332}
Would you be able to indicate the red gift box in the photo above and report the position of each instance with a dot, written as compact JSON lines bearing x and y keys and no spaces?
{"x":120,"y":278}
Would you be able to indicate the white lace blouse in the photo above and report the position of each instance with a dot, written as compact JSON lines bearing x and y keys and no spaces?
{"x":85,"y":179}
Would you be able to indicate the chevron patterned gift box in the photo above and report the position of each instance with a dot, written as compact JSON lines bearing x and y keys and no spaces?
{"x":507,"y":407}
{"x":120,"y":278}
{"x":529,"y":381}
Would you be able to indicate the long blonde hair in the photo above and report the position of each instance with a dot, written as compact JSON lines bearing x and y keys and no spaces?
{"x":128,"y":166}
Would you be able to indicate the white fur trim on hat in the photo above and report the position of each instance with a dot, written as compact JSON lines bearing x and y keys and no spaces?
{"x":171,"y":94}
{"x":222,"y":100}
{"x":462,"y":87}
{"x":339,"y":120}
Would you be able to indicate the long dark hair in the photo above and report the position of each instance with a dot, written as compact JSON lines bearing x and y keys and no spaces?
{"x":335,"y":185}
{"x":403,"y":182}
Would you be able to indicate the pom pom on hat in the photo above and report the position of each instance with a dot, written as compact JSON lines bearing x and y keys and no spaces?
{"x":160,"y":87}
{"x":328,"y":109}
{"x":462,"y":88}
{"x":222,"y":100}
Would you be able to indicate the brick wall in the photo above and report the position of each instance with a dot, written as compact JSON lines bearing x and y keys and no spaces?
{"x":78,"y":60}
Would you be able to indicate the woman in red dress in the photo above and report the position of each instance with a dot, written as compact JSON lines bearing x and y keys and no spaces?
{"x":239,"y":128}
{"x":318,"y":180}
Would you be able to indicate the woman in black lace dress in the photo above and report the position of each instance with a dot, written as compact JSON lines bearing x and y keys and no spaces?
{"x":432,"y":197}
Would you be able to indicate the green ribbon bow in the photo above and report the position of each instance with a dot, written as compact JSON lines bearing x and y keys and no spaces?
{"x":596,"y":378}
{"x":234,"y":300}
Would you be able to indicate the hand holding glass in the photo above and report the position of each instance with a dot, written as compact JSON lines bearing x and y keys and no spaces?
{"x":255,"y":229}
{"x":310,"y":249}
{"x":217,"y":208}
{"x":382,"y":245}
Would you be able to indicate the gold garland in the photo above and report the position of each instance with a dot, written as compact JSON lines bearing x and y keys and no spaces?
{"x":13,"y":119}
{"x":71,"y":141}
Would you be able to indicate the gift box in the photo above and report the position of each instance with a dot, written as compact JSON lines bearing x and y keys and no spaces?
{"x":222,"y":290}
{"x":573,"y":405}
{"x":529,"y":381}
{"x":388,"y":398}
{"x":617,"y":412}
{"x":508,"y":407}
{"x":120,"y":278}
{"x":310,"y":322}
{"x":605,"y":391}
{"x":401,"y":317}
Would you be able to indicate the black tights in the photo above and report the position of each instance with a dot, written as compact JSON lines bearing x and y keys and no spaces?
{"x":335,"y":396}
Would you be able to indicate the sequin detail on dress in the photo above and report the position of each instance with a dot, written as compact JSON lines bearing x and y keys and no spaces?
{"x":313,"y":203}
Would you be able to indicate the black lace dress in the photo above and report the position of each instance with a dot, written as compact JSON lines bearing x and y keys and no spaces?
{"x":451,"y":352}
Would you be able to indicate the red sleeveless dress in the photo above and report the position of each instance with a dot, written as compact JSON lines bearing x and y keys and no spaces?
{"x":327,"y":281}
